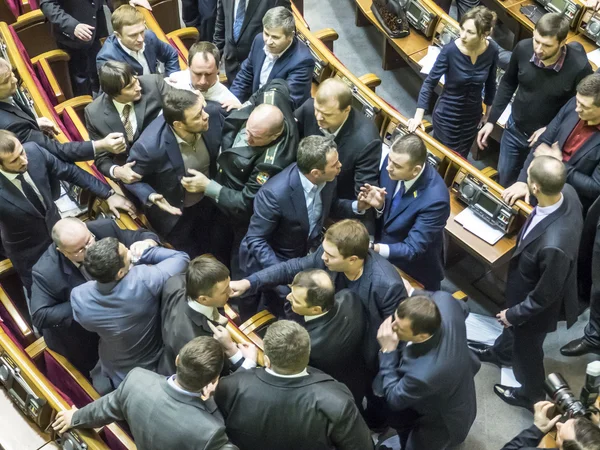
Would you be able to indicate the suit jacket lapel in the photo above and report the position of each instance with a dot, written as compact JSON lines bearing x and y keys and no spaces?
{"x":587,"y":146}
{"x":111,"y":115}
{"x":17,"y":111}
{"x":388,"y":184}
{"x":540,"y":228}
{"x":298,"y":199}
{"x":200,"y":320}
{"x":173,"y":152}
{"x":410,"y":196}
{"x":569,"y":124}
{"x":12,"y":194}
{"x":140,"y":113}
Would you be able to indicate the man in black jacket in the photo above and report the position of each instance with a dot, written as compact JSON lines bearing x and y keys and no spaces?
{"x":237,"y":25}
{"x":577,"y":433}
{"x":190,"y":306}
{"x":59,"y":270}
{"x":542,"y":281}
{"x":429,"y":385}
{"x":27,"y":209}
{"x":19,"y":118}
{"x":128,"y":104}
{"x":287,"y":405}
{"x":336,"y":325}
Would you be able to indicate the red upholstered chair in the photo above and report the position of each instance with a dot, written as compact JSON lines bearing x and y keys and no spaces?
{"x":9,"y":11}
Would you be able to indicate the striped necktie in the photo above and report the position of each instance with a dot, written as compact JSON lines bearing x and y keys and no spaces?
{"x":127,"y":122}
{"x":240,"y":14}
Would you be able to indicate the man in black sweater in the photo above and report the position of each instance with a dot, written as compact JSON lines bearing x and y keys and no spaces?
{"x":546,"y":72}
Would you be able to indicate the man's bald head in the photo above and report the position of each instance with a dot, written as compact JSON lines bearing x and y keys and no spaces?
{"x":333,"y":103}
{"x":265,"y":124}
{"x":71,"y":237}
{"x":548,"y":174}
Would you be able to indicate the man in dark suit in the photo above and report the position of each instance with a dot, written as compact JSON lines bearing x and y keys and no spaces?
{"x":588,"y":284}
{"x":133,"y":44}
{"x":429,"y":386}
{"x":576,"y":132}
{"x":346,"y":256}
{"x":336,"y":325}
{"x":189,"y":419}
{"x":128,"y":104}
{"x":575,"y":433}
{"x":169,"y":155}
{"x":27,"y":209}
{"x":290,"y":211}
{"x":201,"y":14}
{"x":412,"y":206}
{"x":276,"y":53}
{"x":18,"y":117}
{"x":190,"y":308}
{"x":78,"y":26}
{"x":331,"y":114}
{"x":542,"y":281}
{"x":59,"y":270}
{"x":237,"y":25}
{"x":292,"y":406}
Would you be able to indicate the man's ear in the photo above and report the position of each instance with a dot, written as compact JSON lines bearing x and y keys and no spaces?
{"x":202,"y":299}
{"x":117,"y":34}
{"x":267,"y":361}
{"x":177,"y":360}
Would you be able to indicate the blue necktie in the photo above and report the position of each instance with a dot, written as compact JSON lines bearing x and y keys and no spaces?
{"x":395,"y":204}
{"x":240,"y":13}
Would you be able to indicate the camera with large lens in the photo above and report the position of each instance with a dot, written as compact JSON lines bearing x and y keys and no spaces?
{"x":561,"y":394}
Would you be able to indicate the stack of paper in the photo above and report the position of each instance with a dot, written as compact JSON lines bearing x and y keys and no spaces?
{"x":478,"y":227}
{"x":594,"y":56}
{"x":428,"y":60}
{"x":482,"y":329}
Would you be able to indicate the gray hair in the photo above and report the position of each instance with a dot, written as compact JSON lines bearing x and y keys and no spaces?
{"x":280,"y":17}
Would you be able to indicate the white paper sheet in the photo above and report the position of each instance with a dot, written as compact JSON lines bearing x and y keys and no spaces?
{"x":428,"y":60}
{"x":478,"y":227}
{"x":507,"y":377}
{"x":482,"y":329}
{"x":594,"y":56}
{"x":505,"y":115}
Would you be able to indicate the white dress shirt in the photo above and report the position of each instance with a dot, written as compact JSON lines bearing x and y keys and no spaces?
{"x":268,"y":64}
{"x":218,"y":92}
{"x":209,"y":313}
{"x":384,"y":249}
{"x":295,"y":375}
{"x":12,"y":177}
{"x":138,"y":56}
{"x":132,"y":120}
{"x":316,"y":316}
{"x":541,"y":212}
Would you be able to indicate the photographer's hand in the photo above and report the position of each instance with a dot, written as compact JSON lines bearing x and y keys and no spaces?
{"x":540,"y":416}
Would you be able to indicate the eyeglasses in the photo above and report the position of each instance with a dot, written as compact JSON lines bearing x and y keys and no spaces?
{"x":87,"y":245}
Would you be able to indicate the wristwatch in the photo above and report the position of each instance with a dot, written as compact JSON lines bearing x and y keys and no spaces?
{"x":110,"y":194}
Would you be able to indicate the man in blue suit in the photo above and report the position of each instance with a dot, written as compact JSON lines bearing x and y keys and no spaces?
{"x":576,"y":132}
{"x":292,"y":207}
{"x":413,"y":212}
{"x":27,"y":209}
{"x":169,"y":155}
{"x":276,"y":53}
{"x":133,"y":44}
{"x":122,"y":305}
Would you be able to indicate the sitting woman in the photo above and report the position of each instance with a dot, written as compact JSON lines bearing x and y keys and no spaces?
{"x":469,"y":66}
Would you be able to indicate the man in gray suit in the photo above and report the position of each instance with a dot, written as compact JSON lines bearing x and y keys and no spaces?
{"x":189,"y":419}
{"x":122,"y":306}
{"x":127,"y":104}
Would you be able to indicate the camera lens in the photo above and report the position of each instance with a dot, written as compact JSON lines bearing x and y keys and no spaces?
{"x":559,"y":391}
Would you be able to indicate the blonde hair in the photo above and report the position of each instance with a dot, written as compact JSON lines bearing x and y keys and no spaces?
{"x":124,"y":16}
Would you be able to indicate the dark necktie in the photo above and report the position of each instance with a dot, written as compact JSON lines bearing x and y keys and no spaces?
{"x":527,"y":223}
{"x":240,"y":14}
{"x":127,"y":122}
{"x":31,"y":195}
{"x":395,"y":203}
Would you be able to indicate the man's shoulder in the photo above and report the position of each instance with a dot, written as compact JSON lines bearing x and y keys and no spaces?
{"x":48,"y":262}
{"x":151,"y":82}
{"x":151,"y":137}
{"x":175,"y":284}
{"x":576,"y":56}
{"x":382,"y":269}
{"x":109,"y":45}
{"x":301,"y":50}
{"x":277,"y":185}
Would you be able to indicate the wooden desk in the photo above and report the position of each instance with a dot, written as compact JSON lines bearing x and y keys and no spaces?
{"x":494,"y":255}
{"x":526,"y":25}
{"x":588,"y":45}
{"x":396,"y":52}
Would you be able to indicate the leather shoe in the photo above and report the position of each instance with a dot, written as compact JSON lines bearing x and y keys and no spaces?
{"x":511,"y":396}
{"x":578,"y":347}
{"x":486,"y":354}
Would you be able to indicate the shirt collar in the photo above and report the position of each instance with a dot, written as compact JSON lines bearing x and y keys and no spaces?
{"x":171,"y":382}
{"x":408,"y":184}
{"x":206,"y":311}
{"x":336,"y":132}
{"x":275,"y":57}
{"x":180,"y":140}
{"x":130,"y":52}
{"x":316,"y":316}
{"x":296,"y":375}
{"x":308,"y":185}
{"x":557,"y":64}
{"x":121,"y":106}
{"x":9,"y":175}
{"x":547,"y":210}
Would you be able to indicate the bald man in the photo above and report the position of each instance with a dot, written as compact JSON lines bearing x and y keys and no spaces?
{"x":59,"y":270}
{"x":331,"y":113}
{"x":259,"y":141}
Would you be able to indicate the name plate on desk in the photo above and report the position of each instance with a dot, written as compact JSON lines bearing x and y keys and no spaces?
{"x":590,"y":26}
{"x":483,"y":203}
{"x":394,"y":131}
{"x":567,"y":8}
{"x":421,"y":17}
{"x":445,"y":33}
{"x":321,"y":71}
{"x":360,"y":102}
